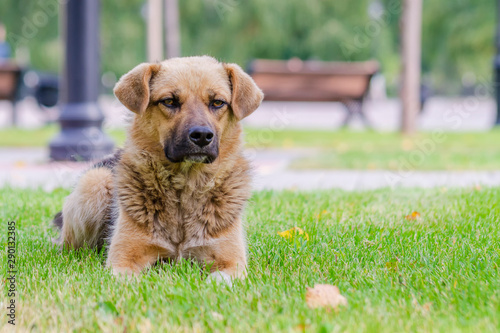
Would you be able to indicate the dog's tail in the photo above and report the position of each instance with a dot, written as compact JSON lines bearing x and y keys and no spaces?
{"x":58,"y":221}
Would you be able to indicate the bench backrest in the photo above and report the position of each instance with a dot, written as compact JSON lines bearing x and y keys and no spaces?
{"x":297,"y":80}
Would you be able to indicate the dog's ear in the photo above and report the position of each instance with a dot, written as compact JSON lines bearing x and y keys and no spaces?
{"x":246,"y":96}
{"x":133,"y":88}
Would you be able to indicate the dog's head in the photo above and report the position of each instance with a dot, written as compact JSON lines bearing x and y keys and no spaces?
{"x":188,"y":104}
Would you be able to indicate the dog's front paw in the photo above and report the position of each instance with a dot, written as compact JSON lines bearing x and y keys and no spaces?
{"x":125,"y":273}
{"x":220,"y":278}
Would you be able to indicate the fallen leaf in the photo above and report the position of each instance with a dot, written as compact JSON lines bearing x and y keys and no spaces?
{"x":291,"y":233}
{"x":426,"y":308}
{"x":301,"y":327}
{"x":413,"y":216}
{"x":324,"y":295}
{"x":320,"y":215}
{"x":392,"y":266}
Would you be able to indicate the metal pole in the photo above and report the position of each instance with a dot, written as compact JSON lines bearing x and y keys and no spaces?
{"x":497,"y":66}
{"x":172,"y":30}
{"x":81,"y":136}
{"x":155,"y":29}
{"x":411,"y":49}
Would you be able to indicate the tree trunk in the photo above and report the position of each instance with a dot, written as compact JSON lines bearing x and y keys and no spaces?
{"x":172,"y":31}
{"x":155,"y":29}
{"x":411,"y":27}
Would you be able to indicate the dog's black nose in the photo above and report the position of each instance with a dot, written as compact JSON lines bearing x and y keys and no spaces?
{"x":201,"y":136}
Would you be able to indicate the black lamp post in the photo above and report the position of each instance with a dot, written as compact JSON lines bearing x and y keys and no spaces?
{"x":497,"y":65}
{"x":81,"y":136}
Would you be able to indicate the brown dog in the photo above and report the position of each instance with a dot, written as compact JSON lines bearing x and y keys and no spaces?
{"x":179,"y":186}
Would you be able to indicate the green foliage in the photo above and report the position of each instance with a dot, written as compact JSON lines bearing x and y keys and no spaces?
{"x":123,"y":35}
{"x":457,"y":36}
{"x":32,"y":31}
{"x":458,"y":39}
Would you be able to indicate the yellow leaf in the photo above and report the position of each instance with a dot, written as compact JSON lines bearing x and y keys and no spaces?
{"x":324,"y":212}
{"x":324,"y":295}
{"x":391,"y":265}
{"x":302,"y":327}
{"x":413,"y":216}
{"x":291,"y":233}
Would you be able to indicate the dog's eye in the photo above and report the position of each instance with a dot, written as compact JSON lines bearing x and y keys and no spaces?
{"x":170,"y":103}
{"x":218,"y":103}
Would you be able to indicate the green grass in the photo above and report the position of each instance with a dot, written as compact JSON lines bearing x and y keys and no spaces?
{"x":40,"y":137}
{"x":344,"y":149}
{"x":438,"y":273}
{"x":386,"y":151}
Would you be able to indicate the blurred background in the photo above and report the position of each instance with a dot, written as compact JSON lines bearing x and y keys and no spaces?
{"x":457,"y":36}
{"x":448,"y":62}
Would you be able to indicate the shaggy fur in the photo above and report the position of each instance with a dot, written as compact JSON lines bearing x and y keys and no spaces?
{"x":163,"y":196}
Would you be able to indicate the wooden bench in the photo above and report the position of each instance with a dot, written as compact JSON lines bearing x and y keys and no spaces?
{"x":10,"y":77}
{"x":297,"y":80}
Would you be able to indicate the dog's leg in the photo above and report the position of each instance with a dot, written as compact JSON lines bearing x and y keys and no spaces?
{"x":227,"y":257}
{"x":86,"y":208}
{"x":131,"y":248}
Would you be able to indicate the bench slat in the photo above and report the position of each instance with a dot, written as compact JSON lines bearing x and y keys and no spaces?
{"x":297,"y":80}
{"x":297,"y":87}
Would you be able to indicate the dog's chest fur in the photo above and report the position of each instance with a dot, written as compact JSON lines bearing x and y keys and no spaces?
{"x":185,"y":207}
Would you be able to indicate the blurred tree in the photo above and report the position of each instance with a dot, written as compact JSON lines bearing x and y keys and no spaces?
{"x":32,"y":31}
{"x":458,"y":39}
{"x":457,"y":36}
{"x":123,"y":34}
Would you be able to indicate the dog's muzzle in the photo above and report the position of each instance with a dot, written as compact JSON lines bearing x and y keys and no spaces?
{"x":201,"y":136}
{"x":198,"y":145}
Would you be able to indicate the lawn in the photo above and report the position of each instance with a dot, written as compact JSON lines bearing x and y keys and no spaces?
{"x":40,"y":137}
{"x":436,"y":273}
{"x":387,"y":150}
{"x":343,"y":149}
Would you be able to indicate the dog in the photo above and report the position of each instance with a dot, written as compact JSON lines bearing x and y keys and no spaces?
{"x":179,"y":186}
